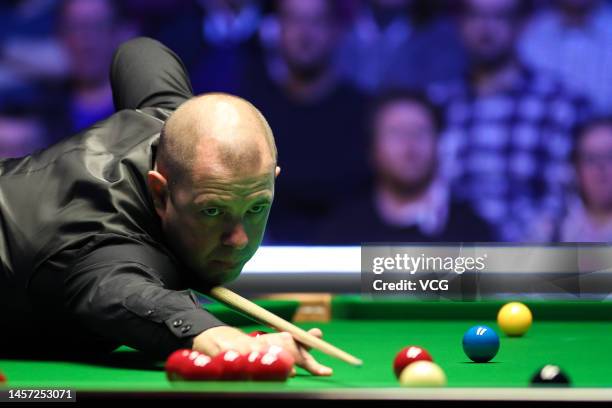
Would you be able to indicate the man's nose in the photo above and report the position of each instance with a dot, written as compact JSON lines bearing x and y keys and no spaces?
{"x":236,"y":237}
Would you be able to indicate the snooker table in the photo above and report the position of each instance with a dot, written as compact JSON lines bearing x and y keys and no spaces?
{"x":576,"y":335}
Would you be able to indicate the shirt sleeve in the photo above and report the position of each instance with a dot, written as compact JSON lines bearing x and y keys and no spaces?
{"x":127,"y":301}
{"x":144,"y":73}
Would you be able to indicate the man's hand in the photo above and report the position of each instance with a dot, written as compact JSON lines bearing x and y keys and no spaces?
{"x":219,"y":339}
{"x":299,"y":352}
{"x":222,"y":338}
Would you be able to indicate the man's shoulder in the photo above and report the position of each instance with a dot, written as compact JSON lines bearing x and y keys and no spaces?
{"x":127,"y":126}
{"x":93,"y":183}
{"x":158,"y":114}
{"x":120,"y":133}
{"x":116,"y":135}
{"x":444,"y":92}
{"x":543,"y":84}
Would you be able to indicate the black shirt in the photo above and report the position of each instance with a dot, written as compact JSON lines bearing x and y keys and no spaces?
{"x":83,"y":258}
{"x":359,"y":222}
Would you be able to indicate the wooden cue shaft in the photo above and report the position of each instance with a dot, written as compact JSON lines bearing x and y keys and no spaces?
{"x":257,"y":312}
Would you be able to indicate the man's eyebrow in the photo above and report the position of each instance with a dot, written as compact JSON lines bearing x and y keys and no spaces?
{"x":263,"y":196}
{"x":210,"y":200}
{"x":222,"y":202}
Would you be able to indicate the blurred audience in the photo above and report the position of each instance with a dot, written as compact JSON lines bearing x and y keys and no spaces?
{"x":507,"y":142}
{"x":409,"y":201}
{"x":153,"y":17}
{"x":574,"y":41}
{"x":589,"y":214}
{"x":511,"y":84}
{"x":223,"y":45}
{"x":316,"y":119}
{"x":399,"y":43}
{"x":29,"y":54}
{"x":29,"y":51}
{"x":89,"y":30}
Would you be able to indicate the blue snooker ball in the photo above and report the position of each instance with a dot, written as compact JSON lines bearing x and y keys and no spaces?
{"x":480,"y":343}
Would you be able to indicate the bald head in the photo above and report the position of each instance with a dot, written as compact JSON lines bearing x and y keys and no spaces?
{"x":215,"y":132}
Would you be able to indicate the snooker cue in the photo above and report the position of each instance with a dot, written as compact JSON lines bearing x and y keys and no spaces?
{"x":262,"y":315}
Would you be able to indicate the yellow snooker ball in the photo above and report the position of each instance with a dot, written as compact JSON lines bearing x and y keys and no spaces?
{"x":422,"y":374}
{"x":514,"y":319}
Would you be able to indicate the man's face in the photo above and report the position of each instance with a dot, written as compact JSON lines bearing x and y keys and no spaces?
{"x":594,"y":167}
{"x":489,"y":29}
{"x":308,"y":34}
{"x":405,"y":145}
{"x":216,"y":222}
{"x":88,"y":33}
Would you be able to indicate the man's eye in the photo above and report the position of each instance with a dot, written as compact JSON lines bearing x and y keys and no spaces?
{"x":256,"y":209}
{"x":211,"y":212}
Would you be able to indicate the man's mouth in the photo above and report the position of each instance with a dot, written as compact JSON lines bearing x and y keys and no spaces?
{"x":227,"y":264}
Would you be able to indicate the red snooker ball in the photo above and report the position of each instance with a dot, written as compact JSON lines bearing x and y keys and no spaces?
{"x":233,"y":365}
{"x":2,"y":378}
{"x":409,"y":355}
{"x":275,"y":364}
{"x":174,"y":363}
{"x":201,"y":368}
{"x":257,"y":333}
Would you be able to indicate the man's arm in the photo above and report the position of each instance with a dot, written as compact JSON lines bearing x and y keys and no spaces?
{"x":114,"y":294}
{"x":145,"y":73}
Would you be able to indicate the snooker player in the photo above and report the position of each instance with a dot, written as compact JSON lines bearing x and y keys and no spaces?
{"x":103,"y":234}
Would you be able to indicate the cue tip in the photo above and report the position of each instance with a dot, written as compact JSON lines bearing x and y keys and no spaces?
{"x":357,"y":362}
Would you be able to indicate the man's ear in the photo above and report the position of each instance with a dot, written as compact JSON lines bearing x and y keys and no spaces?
{"x":276,"y":171}
{"x":158,"y":187}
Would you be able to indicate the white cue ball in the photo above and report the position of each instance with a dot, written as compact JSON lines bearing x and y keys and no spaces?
{"x":422,"y":374}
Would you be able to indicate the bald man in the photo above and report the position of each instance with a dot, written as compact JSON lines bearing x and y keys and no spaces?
{"x":103,"y":234}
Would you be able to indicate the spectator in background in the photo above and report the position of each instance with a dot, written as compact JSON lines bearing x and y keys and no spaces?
{"x":507,"y":141}
{"x":217,"y":40}
{"x":397,"y":43}
{"x":29,"y":52}
{"x":315,"y":119}
{"x":589,"y":214}
{"x":29,"y":55}
{"x":230,"y":34}
{"x":573,"y":40}
{"x":409,"y":202}
{"x":90,"y":30}
{"x":153,"y":17}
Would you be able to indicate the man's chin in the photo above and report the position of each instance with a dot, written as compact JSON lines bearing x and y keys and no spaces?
{"x":219,"y":275}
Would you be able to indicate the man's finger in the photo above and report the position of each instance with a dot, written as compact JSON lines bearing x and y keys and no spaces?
{"x":284,"y":340}
{"x":290,"y":345}
{"x":315,"y":332}
{"x":210,"y":349}
{"x":242,"y":347}
{"x":313,"y":366}
{"x":298,"y":352}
